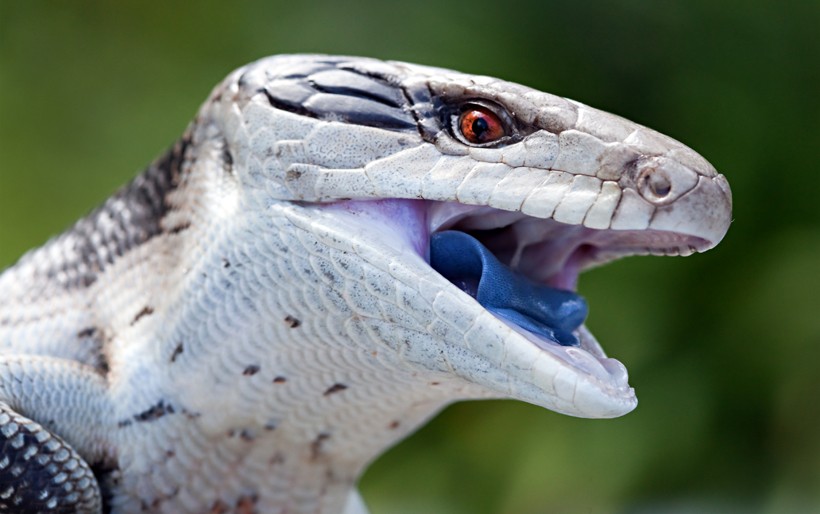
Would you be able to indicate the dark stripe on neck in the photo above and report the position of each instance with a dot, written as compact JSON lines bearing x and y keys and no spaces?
{"x":128,"y":219}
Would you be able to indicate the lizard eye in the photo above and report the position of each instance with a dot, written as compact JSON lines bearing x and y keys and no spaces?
{"x":479,"y":125}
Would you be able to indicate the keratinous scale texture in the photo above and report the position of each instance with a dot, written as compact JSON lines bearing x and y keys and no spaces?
{"x":335,"y":249}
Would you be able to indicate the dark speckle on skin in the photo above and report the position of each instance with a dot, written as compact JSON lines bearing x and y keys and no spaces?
{"x":179,"y":228}
{"x":292,"y":322}
{"x":178,"y":350}
{"x":316,"y":445}
{"x":245,"y":434}
{"x":155,"y":412}
{"x":190,"y":415}
{"x":251,"y":370}
{"x":247,"y":504}
{"x":96,"y":337}
{"x":227,"y":158}
{"x":394,"y":425}
{"x":146,"y":311}
{"x":102,"y":364}
{"x":280,"y":380}
{"x":335,"y":388}
{"x":87,"y":332}
{"x":244,"y":505}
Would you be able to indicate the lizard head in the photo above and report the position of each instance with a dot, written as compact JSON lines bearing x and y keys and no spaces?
{"x":447,"y":180}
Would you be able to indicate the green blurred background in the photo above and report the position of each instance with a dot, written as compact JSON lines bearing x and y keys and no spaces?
{"x":723,"y":348}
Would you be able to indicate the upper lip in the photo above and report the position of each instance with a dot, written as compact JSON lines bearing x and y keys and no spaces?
{"x":550,"y":252}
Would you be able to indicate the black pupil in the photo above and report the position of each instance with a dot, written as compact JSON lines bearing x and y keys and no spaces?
{"x":480,"y":126}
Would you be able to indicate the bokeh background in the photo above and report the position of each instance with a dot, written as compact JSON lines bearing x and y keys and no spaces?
{"x":723,"y":348}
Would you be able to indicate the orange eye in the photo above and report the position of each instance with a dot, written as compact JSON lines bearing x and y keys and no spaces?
{"x":480,"y":125}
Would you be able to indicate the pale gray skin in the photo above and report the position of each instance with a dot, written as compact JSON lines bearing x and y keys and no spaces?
{"x":243,"y":328}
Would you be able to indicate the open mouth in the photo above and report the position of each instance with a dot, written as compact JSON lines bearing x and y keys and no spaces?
{"x":524,"y":271}
{"x":552,"y":314}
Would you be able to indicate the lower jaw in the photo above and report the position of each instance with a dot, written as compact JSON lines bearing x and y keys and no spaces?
{"x":408,"y":221}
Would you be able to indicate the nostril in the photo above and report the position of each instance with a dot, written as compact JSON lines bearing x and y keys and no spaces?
{"x":655,"y":185}
{"x":659,"y":184}
{"x":662,"y":180}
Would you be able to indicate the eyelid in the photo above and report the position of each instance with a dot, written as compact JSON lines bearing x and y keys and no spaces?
{"x":496,"y":109}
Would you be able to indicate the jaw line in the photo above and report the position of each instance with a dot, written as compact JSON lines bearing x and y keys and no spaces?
{"x":504,"y":360}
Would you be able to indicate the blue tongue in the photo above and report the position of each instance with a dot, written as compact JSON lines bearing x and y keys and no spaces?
{"x":546,"y":311}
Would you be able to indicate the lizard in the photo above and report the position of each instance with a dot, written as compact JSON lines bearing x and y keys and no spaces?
{"x":334,"y":250}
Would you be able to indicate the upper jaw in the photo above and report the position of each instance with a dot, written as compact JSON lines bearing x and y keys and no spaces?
{"x":555,"y":253}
